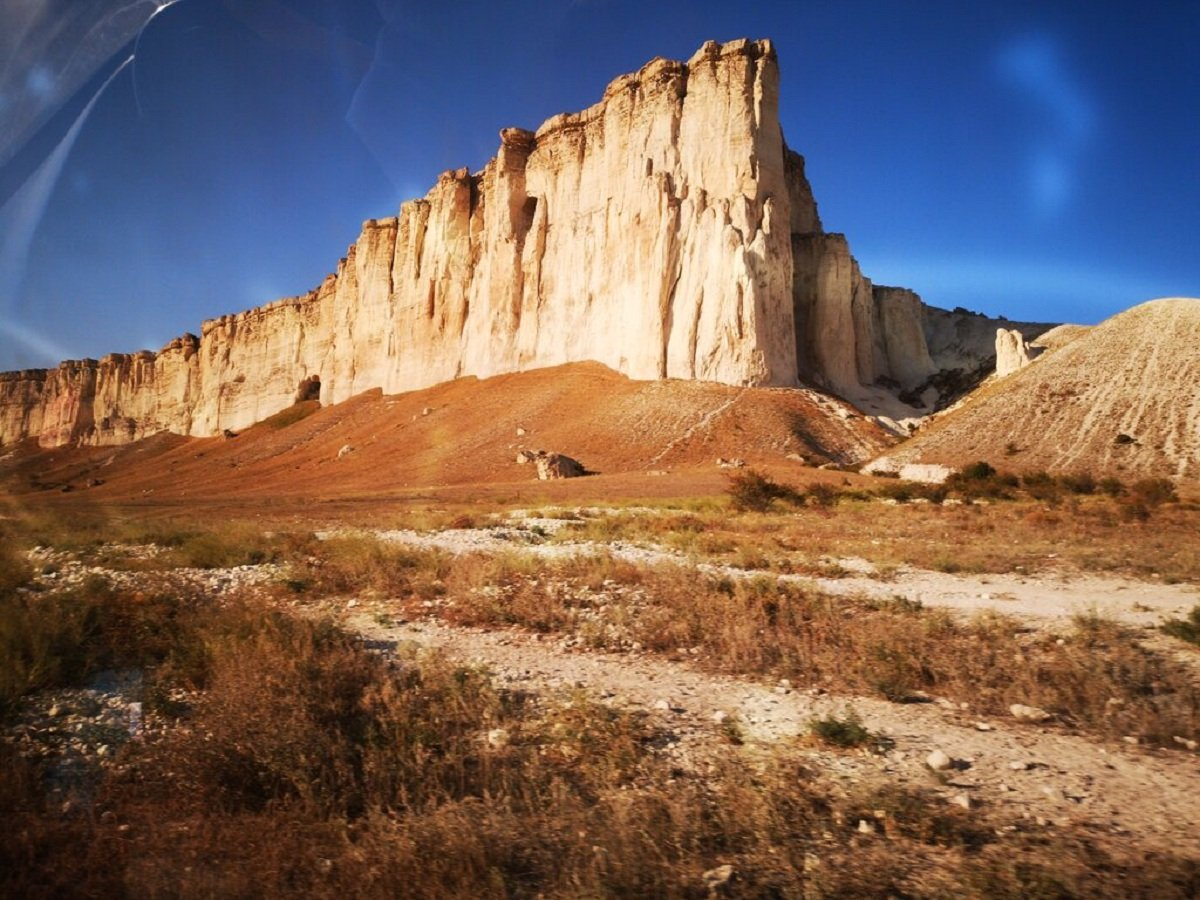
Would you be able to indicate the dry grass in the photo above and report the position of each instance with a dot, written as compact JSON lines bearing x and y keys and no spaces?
{"x":1098,"y":679}
{"x":308,"y":766}
{"x":311,"y":767}
{"x":1090,"y":533}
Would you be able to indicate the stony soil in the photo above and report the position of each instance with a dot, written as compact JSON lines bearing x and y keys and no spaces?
{"x":1039,"y":775}
{"x":1048,"y":778}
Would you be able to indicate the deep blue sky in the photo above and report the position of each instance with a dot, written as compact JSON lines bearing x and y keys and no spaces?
{"x":1039,"y":160}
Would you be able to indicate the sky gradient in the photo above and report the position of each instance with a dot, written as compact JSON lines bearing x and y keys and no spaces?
{"x":163,"y":166}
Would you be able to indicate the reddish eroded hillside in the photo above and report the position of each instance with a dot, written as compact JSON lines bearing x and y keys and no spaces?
{"x":469,"y":432}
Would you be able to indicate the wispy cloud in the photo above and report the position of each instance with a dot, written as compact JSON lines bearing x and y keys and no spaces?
{"x":1036,"y":67}
{"x":30,"y":347}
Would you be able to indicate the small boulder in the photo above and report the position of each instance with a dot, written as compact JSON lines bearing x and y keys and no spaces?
{"x":553,"y":466}
{"x":938,"y":761}
{"x":1023,"y":713}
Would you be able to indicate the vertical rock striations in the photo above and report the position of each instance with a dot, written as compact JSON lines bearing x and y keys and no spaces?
{"x":666,"y":232}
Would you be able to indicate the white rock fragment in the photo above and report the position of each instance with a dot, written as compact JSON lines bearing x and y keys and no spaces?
{"x":938,"y":761}
{"x":1023,"y":713}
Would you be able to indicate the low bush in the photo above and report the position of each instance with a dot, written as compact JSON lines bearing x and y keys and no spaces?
{"x":1153,"y":492}
{"x":981,"y":481}
{"x":844,"y":732}
{"x":1042,"y":486}
{"x":1078,"y":483}
{"x":1185,"y":629}
{"x":752,"y":491}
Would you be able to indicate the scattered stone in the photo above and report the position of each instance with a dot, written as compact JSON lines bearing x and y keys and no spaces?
{"x":865,"y":827}
{"x":498,"y":737}
{"x":345,"y":451}
{"x":962,"y":800}
{"x":982,"y":726}
{"x":1023,"y":713}
{"x":1185,"y":742}
{"x":1018,"y":766}
{"x":720,"y":717}
{"x":718,"y":879}
{"x":938,"y":761}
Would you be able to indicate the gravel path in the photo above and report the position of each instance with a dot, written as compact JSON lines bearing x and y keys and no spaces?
{"x":1048,"y":778}
{"x":1048,"y":598}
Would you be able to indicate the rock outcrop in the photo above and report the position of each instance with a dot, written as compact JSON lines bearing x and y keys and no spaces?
{"x":1012,"y":352}
{"x":665,"y":232}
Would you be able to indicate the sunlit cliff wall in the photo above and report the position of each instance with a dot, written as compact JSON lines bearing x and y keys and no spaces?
{"x":666,"y":232}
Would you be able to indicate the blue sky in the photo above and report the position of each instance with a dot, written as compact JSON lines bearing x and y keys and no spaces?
{"x":163,"y":166}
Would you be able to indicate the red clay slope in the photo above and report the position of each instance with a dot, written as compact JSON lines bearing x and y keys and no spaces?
{"x":465,"y":432}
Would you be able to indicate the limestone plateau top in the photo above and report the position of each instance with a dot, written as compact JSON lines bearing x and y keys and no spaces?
{"x":665,"y":232}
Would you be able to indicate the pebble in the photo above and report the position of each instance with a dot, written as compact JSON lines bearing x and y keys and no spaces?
{"x":962,"y":800}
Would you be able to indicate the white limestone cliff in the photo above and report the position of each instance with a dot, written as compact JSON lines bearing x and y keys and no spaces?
{"x":666,"y":232}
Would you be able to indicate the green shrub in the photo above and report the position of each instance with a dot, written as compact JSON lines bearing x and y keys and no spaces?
{"x":848,"y":731}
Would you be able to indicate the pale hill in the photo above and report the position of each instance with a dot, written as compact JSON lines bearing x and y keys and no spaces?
{"x":466,"y":432}
{"x":1122,"y":398}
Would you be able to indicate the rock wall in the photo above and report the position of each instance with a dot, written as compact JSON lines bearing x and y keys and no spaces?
{"x":666,"y":232}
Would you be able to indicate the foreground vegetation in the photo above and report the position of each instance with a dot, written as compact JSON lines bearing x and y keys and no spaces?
{"x":305,"y":765}
{"x":293,"y":761}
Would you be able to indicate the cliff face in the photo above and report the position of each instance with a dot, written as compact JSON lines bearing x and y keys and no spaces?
{"x":666,"y":232}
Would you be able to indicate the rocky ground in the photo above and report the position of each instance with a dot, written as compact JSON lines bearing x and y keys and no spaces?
{"x":1034,"y":773}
